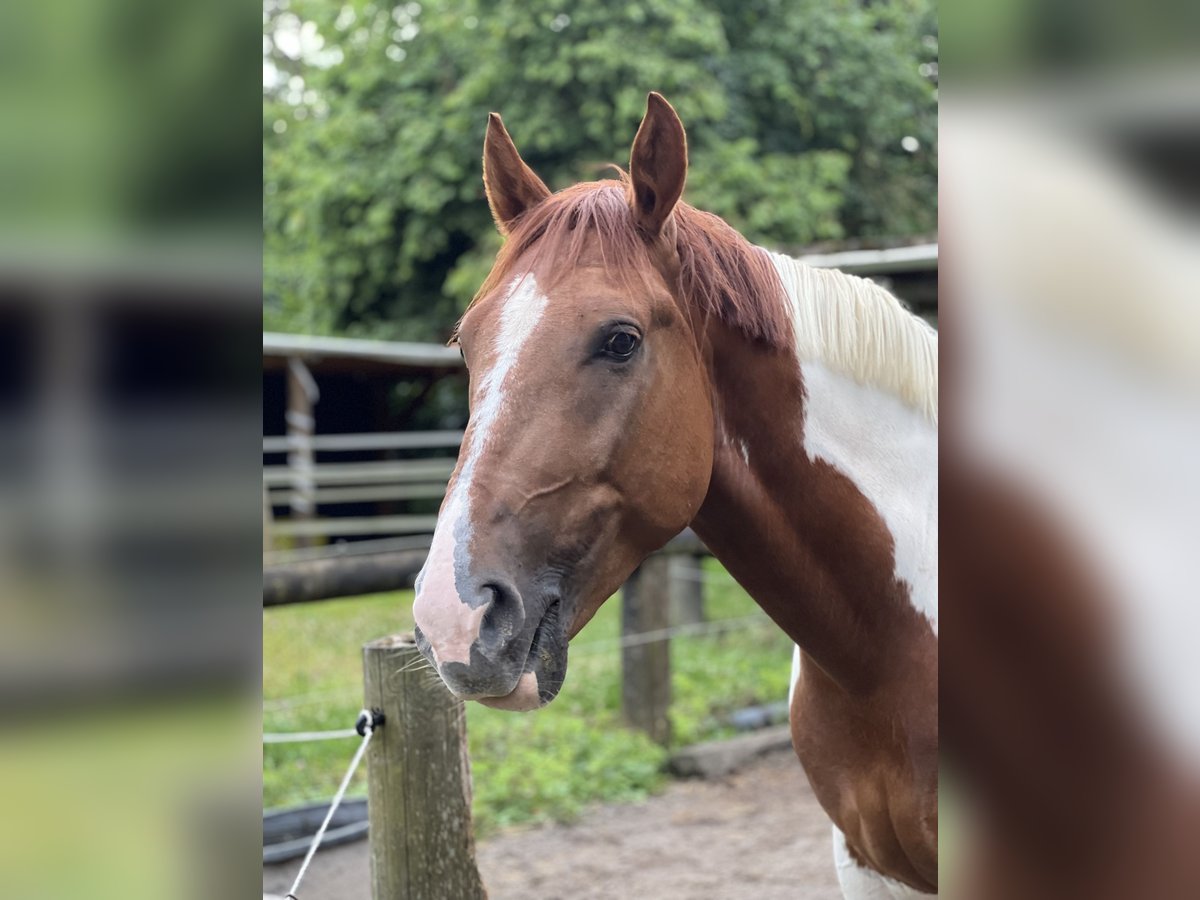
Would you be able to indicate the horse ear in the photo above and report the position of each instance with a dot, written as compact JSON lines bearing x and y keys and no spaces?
{"x":657,"y":165}
{"x":511,"y":186}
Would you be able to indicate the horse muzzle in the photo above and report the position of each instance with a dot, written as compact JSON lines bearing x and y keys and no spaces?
{"x":512,"y":661}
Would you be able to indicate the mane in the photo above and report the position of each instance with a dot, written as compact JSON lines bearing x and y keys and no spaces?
{"x":850,"y":323}
{"x":721,"y":273}
{"x":857,"y":328}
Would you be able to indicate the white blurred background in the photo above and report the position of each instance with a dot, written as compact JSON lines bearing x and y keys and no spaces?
{"x":1070,"y":223}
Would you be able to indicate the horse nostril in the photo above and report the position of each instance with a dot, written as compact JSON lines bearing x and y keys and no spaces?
{"x":504,"y":617}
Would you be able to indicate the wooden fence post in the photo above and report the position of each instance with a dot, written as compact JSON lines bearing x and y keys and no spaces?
{"x":302,"y":396}
{"x":687,"y":589}
{"x":646,"y":665}
{"x":418,"y":781}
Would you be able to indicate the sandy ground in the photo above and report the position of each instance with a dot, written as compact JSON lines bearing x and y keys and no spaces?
{"x":758,"y":833}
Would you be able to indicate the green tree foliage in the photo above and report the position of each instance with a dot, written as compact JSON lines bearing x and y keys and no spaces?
{"x":374,"y":117}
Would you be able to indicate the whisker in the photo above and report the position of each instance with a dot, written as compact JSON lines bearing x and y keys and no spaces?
{"x":413,"y":666}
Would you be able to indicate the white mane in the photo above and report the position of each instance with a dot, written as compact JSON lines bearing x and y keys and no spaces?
{"x":857,"y":328}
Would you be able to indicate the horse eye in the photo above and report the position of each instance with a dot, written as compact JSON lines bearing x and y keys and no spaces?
{"x":621,"y":344}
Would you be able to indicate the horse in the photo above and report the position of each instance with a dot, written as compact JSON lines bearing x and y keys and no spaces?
{"x":636,"y":367}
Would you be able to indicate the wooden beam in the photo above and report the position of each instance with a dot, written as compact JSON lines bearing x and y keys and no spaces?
{"x":324,"y":579}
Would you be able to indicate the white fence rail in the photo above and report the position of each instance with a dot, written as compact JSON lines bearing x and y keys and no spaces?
{"x":383,"y":481}
{"x":388,"y":440}
{"x":384,"y":472}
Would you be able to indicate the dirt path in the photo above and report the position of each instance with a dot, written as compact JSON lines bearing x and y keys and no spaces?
{"x":756,"y":834}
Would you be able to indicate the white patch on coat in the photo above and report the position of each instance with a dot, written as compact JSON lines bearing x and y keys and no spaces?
{"x":795,"y":674}
{"x":859,"y":883}
{"x":870,"y":371}
{"x":889,"y":450}
{"x":448,"y":623}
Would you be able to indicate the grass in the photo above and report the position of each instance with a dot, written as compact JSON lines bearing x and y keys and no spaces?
{"x":549,"y":764}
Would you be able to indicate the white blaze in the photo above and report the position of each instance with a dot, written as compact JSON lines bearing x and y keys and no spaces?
{"x":450,"y":625}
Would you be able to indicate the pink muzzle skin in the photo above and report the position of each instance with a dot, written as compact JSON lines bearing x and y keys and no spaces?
{"x":451,"y":627}
{"x":523,"y":698}
{"x":449,"y":624}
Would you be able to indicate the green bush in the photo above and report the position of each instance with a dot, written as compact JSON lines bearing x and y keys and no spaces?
{"x":373,"y":211}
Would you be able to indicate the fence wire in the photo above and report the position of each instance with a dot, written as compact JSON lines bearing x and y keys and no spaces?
{"x":304,"y":737}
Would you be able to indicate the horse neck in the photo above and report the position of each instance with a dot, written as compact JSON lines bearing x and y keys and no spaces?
{"x":823,"y":505}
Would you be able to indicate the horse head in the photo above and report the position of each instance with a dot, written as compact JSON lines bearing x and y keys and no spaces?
{"x":590,"y":439}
